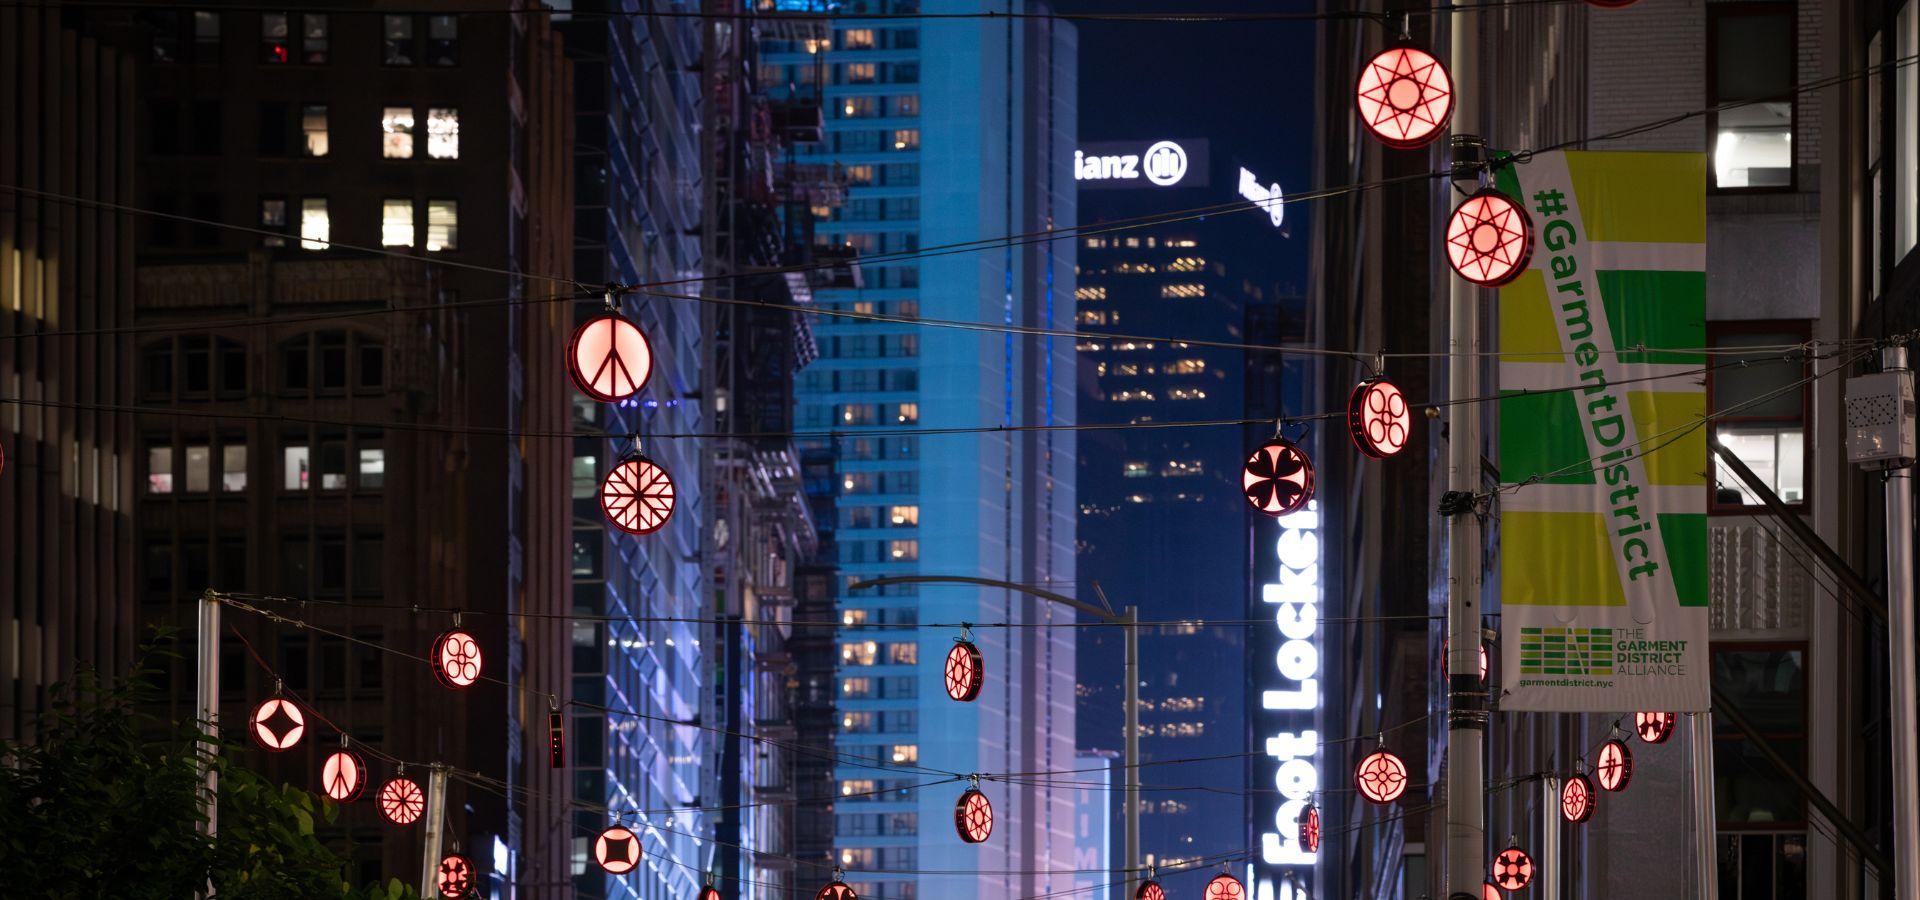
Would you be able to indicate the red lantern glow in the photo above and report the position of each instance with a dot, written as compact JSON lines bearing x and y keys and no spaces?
{"x":1615,"y":768}
{"x":401,"y":801}
{"x":1378,"y":418}
{"x":1576,"y":799}
{"x":973,"y":817}
{"x":1653,"y":727}
{"x":966,"y":671}
{"x":1277,"y":478}
{"x":343,"y":775}
{"x":1489,"y":891}
{"x":456,"y":659}
{"x":1150,"y":890}
{"x":1404,"y":97}
{"x":1381,"y":777}
{"x":456,"y":877}
{"x":637,"y":496}
{"x":609,"y":358}
{"x":711,"y":893}
{"x":1489,"y":239}
{"x":1512,"y":869}
{"x":836,"y":890}
{"x":1225,"y":887}
{"x":277,"y":724}
{"x":617,"y":850}
{"x":1484,"y":661}
{"x":1309,"y":823}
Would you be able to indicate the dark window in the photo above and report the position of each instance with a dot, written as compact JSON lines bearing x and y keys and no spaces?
{"x":156,"y":371}
{"x":369,"y":563}
{"x":163,"y":120}
{"x":333,"y":361}
{"x":198,"y":366}
{"x":157,"y":567}
{"x":231,"y":564}
{"x":233,"y":367}
{"x":273,"y":217}
{"x":313,"y":39}
{"x":1751,"y":54}
{"x":233,"y":669}
{"x":293,"y":565}
{"x":373,"y":365}
{"x":443,"y":40}
{"x":1767,"y":683}
{"x":331,"y":564}
{"x":296,"y":662}
{"x":273,"y":129}
{"x":196,"y":565}
{"x":586,"y":552}
{"x":206,"y":36}
{"x":165,"y":29}
{"x":333,"y":461}
{"x":296,"y":375}
{"x":368,"y":661}
{"x":206,"y":127}
{"x":397,"y":36}
{"x":273,"y":38}
{"x":1760,"y":410}
{"x":206,"y":208}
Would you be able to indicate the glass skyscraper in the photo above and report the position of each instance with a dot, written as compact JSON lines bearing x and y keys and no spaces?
{"x":949,"y":131}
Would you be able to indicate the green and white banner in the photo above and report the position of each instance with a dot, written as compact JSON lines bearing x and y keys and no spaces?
{"x":1603,"y":536}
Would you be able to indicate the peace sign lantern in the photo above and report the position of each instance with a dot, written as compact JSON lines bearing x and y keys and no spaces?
{"x":637,"y":495}
{"x":344,"y":775}
{"x":1150,"y":890}
{"x":277,"y":724}
{"x":1653,"y":727}
{"x":609,"y":358}
{"x":617,"y":850}
{"x":973,"y":817}
{"x":1489,"y":239}
{"x":1404,"y":97}
{"x":1512,"y":869}
{"x":456,"y":659}
{"x":966,"y":671}
{"x":1615,"y":767}
{"x":456,"y":877}
{"x":1576,"y":799}
{"x":1378,"y":418}
{"x":1381,"y":777}
{"x":402,"y":801}
{"x":1277,"y":478}
{"x":1225,"y":887}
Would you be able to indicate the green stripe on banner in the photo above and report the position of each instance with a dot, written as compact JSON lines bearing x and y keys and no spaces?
{"x":1542,"y":433}
{"x":1658,"y":310}
{"x":1686,"y":538}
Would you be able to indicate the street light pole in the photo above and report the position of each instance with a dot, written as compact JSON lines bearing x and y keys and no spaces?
{"x":1901,"y":663}
{"x":207,"y":703}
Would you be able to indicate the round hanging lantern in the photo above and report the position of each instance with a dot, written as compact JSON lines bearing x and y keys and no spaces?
{"x":1484,"y":661}
{"x":456,"y":659}
{"x":1225,"y":887}
{"x":1489,"y":891}
{"x":1309,"y":823}
{"x":1615,"y":767}
{"x":277,"y":724}
{"x":609,"y":358}
{"x":617,"y":850}
{"x":402,"y":801}
{"x":1150,"y":890}
{"x":1404,"y":97}
{"x":456,"y":877}
{"x":1512,"y":869}
{"x":711,"y":893}
{"x":1278,"y":478}
{"x":836,"y":890}
{"x":1381,"y":777}
{"x":1378,"y":418}
{"x":343,"y":775}
{"x":966,"y":671}
{"x":1653,"y":727}
{"x":1489,"y":239}
{"x":973,"y":817}
{"x":1576,"y":799}
{"x":637,"y":495}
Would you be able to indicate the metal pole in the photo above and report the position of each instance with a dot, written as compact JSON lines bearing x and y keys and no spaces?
{"x":1550,"y":839}
{"x":207,"y":702}
{"x":436,"y":832}
{"x":1132,"y":793}
{"x":1906,"y":755}
{"x":1706,"y":853}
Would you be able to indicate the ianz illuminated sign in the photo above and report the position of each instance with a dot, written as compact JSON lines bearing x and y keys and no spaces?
{"x":1141,"y":164}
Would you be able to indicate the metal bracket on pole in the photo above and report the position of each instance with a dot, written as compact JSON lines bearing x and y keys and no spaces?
{"x":435,"y":832}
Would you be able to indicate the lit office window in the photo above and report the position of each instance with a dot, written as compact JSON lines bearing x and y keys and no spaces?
{"x":233,"y":468}
{"x":1135,"y":468}
{"x":1186,"y":367}
{"x":373,"y":464}
{"x":396,"y":223}
{"x":863,"y":653}
{"x":160,"y":470}
{"x":904,"y":515}
{"x":296,"y":461}
{"x":1091,"y":292}
{"x":861,"y":73}
{"x":1753,"y":60}
{"x":903,"y":551}
{"x":906,"y":139}
{"x":907,"y":413}
{"x":1183,"y":290}
{"x":199,"y":468}
{"x":443,"y":133}
{"x":1760,"y":413}
{"x":313,"y":123}
{"x":904,"y":753}
{"x":315,"y":229}
{"x":396,"y":127}
{"x":443,"y":225}
{"x":856,"y":39}
{"x":859,"y":107}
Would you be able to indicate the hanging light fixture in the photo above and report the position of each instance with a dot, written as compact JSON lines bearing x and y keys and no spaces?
{"x":1653,"y":727}
{"x":1225,"y":887}
{"x":1309,"y":835}
{"x":1615,"y":768}
{"x":1489,"y":239}
{"x":1512,"y":869}
{"x":637,"y":495}
{"x":609,"y":357}
{"x":836,"y":889}
{"x":1150,"y":890}
{"x":456,"y":657}
{"x":1381,"y":777}
{"x":711,"y":893}
{"x":401,"y":801}
{"x":456,"y":877}
{"x":277,"y":724}
{"x":966,"y":669}
{"x":617,"y":849}
{"x":1489,"y":890}
{"x":343,"y":775}
{"x":1378,"y":418}
{"x":973,"y":815}
{"x":1404,"y":97}
{"x":1576,"y":799}
{"x":1277,"y":478}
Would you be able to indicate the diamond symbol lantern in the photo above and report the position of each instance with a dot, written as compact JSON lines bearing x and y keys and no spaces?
{"x":1381,"y":777}
{"x":1378,"y":418}
{"x":617,"y":850}
{"x":966,"y":671}
{"x":1576,"y":799}
{"x":1615,"y":767}
{"x":277,"y":724}
{"x":456,"y":659}
{"x":609,"y":358}
{"x":402,"y":801}
{"x":1653,"y":727}
{"x":1489,"y":239}
{"x":637,"y":495}
{"x":973,"y":817}
{"x":1277,"y":478}
{"x":1404,"y":97}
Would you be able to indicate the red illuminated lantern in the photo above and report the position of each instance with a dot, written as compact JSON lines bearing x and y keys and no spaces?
{"x":1512,"y":869}
{"x":401,"y":801}
{"x":456,"y":877}
{"x":1381,"y":777}
{"x":1484,"y":661}
{"x":1225,"y":887}
{"x":343,"y":775}
{"x":1489,"y":891}
{"x":966,"y":671}
{"x":456,"y":659}
{"x":1378,"y":418}
{"x":1150,"y":890}
{"x":637,"y":495}
{"x":836,"y":890}
{"x":1489,"y":239}
{"x":711,"y":893}
{"x":1653,"y":727}
{"x":1615,"y":767}
{"x":1576,"y":799}
{"x":277,"y":724}
{"x":973,"y":817}
{"x":1277,"y":478}
{"x":617,"y":850}
{"x":609,"y":358}
{"x":1309,"y":823}
{"x":1404,"y":97}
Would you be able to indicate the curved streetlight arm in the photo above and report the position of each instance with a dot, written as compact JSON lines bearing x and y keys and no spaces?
{"x":1088,"y":608}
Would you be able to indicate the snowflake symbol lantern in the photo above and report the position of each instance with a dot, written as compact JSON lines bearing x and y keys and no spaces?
{"x":1381,"y":777}
{"x":1404,"y":97}
{"x":637,"y":495}
{"x":1224,"y":887}
{"x":617,"y":850}
{"x":973,"y":817}
{"x":456,"y":659}
{"x":836,"y":890}
{"x":1576,"y":799}
{"x":609,"y":358}
{"x":1278,"y":478}
{"x":456,"y":877}
{"x":1378,"y":418}
{"x":1512,"y":869}
{"x":966,"y":671}
{"x":1615,"y":768}
{"x":277,"y":724}
{"x":1489,"y":239}
{"x":1150,"y":890}
{"x":402,"y":801}
{"x":1653,"y":727}
{"x":343,"y":775}
{"x":1309,"y":823}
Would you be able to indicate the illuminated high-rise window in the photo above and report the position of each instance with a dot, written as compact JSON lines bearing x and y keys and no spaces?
{"x":396,"y":127}
{"x":856,"y":39}
{"x":443,"y":133}
{"x":313,"y":123}
{"x":316,"y":230}
{"x":443,"y":225}
{"x":396,"y":222}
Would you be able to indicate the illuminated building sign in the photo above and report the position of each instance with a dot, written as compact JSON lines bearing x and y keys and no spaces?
{"x":1141,"y":164}
{"x":1268,"y":197}
{"x":1286,"y":678}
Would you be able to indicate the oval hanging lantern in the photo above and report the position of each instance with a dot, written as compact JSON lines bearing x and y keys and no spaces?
{"x":1653,"y":727}
{"x":1381,"y":777}
{"x":609,"y":358}
{"x":1378,"y":418}
{"x":1150,"y":890}
{"x":836,"y":890}
{"x":1277,"y":478}
{"x":1512,"y":869}
{"x":966,"y":671}
{"x":456,"y":659}
{"x":1225,"y":887}
{"x":617,"y":850}
{"x":711,"y":893}
{"x":1309,"y":823}
{"x":402,"y":801}
{"x":456,"y":877}
{"x":343,"y":775}
{"x":1615,"y":768}
{"x":637,"y":495}
{"x":1404,"y":97}
{"x":1576,"y":799}
{"x":277,"y":724}
{"x":1489,"y":891}
{"x":1489,"y":239}
{"x":973,"y":817}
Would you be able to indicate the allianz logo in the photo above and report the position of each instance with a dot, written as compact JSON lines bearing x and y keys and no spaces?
{"x":1164,"y":164}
